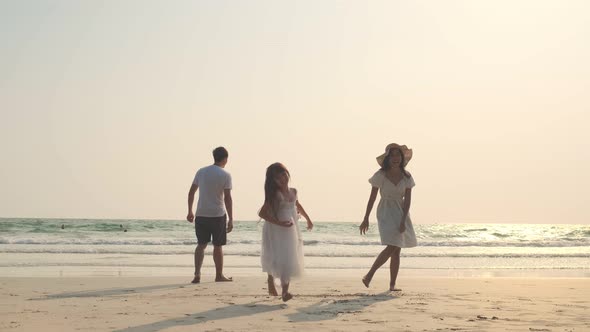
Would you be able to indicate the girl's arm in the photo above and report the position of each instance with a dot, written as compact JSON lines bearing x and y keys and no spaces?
{"x":304,"y":214}
{"x":406,"y":209}
{"x":365,"y":224}
{"x":266,"y":214}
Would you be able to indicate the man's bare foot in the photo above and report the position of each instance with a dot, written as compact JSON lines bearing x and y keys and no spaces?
{"x":272,"y":290}
{"x":287,"y":296}
{"x":223,"y":279}
{"x":196,"y":280}
{"x":366,"y":281}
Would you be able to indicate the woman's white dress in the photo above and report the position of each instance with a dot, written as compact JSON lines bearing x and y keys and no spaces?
{"x":390,"y":211}
{"x":282,"y":247}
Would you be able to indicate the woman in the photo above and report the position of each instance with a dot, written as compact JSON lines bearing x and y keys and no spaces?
{"x":395,"y":227}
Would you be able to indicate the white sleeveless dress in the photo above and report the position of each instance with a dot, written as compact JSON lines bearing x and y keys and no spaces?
{"x":390,"y":211}
{"x":282,"y":247}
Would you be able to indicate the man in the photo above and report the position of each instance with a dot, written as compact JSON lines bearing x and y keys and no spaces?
{"x":210,"y":222}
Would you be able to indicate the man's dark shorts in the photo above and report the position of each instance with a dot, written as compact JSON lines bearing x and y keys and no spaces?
{"x":211,"y":227}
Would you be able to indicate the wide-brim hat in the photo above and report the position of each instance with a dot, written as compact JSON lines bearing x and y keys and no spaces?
{"x":404,"y":149}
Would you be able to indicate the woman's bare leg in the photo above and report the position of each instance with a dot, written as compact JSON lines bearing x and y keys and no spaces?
{"x":394,"y":269}
{"x":379,"y":261}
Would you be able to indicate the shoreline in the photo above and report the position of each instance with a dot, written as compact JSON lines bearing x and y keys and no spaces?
{"x":126,"y":265}
{"x":91,"y":271}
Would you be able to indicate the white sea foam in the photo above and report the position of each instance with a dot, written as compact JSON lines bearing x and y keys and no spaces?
{"x":440,"y":246}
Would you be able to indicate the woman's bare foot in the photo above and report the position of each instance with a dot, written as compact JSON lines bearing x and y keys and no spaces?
{"x":223,"y":279}
{"x":272,"y":290}
{"x":366,"y":281}
{"x":287,"y":296}
{"x":196,"y":280}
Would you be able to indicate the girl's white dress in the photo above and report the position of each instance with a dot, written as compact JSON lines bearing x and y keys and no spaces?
{"x":390,"y":211}
{"x":282,"y":247}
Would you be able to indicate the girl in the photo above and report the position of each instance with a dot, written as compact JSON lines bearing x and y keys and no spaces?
{"x":395,"y":227}
{"x":282,"y":246}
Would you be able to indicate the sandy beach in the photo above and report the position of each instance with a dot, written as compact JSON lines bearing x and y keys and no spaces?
{"x":325,"y":300}
{"x":133,"y":133}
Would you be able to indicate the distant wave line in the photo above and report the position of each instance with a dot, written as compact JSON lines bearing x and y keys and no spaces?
{"x":175,"y":242}
{"x":255,"y":253}
{"x":188,"y":265}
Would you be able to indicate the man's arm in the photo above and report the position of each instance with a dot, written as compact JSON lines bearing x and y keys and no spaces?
{"x":190,"y":217}
{"x":228,"y":207}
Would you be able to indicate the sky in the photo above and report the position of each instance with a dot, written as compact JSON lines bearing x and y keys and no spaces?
{"x":109,"y":108}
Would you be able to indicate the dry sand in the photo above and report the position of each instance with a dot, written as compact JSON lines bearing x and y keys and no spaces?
{"x":323,"y":301}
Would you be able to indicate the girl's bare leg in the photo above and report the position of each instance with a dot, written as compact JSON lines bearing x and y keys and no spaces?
{"x":272,"y":290}
{"x":285,"y":292}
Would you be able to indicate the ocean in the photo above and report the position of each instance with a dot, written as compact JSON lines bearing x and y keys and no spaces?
{"x":163,"y":246}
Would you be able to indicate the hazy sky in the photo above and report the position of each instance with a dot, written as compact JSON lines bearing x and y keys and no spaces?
{"x":109,"y":107}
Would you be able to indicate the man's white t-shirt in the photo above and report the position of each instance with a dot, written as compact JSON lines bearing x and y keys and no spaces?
{"x":212,"y":180}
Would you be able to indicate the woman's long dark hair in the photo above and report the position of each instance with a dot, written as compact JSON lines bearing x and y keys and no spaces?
{"x":270,"y":185}
{"x":402,"y":166}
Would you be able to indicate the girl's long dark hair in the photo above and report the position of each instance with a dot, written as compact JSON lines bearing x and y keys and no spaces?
{"x":270,"y":185}
{"x":402,"y":166}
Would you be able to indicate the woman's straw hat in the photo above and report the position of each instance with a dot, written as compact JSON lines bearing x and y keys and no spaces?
{"x":404,"y":149}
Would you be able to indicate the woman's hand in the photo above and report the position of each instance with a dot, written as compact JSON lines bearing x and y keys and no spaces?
{"x":309,"y":225}
{"x":402,"y":227}
{"x":364,"y":226}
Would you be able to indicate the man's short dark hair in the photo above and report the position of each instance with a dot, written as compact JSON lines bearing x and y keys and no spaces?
{"x":219,"y":154}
